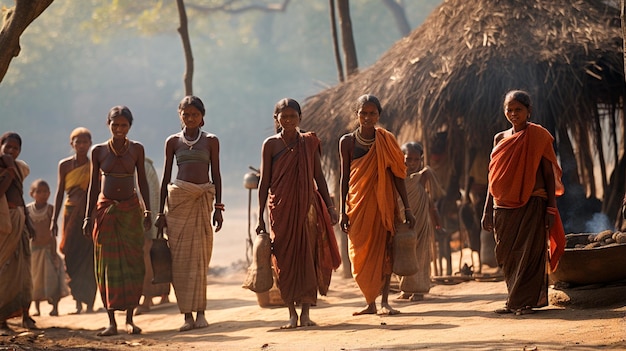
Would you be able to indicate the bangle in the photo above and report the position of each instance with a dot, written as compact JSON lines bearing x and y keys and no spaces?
{"x":87,"y":219}
{"x":219,"y":206}
{"x":551,"y":210}
{"x":160,"y":214}
{"x":437,"y":227}
{"x":147,"y":212}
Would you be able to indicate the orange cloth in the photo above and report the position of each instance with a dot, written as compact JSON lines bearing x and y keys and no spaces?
{"x":512,"y":173}
{"x":371,"y":205}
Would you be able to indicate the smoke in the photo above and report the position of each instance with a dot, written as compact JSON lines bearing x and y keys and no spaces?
{"x":597,"y":223}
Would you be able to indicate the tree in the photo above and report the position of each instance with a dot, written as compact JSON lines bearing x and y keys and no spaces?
{"x":15,"y":22}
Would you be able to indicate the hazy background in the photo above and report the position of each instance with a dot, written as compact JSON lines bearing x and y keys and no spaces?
{"x":81,"y":57}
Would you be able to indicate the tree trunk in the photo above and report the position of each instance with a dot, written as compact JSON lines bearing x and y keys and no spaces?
{"x":15,"y":22}
{"x":184,"y":35}
{"x":399,"y":15}
{"x":333,"y":31}
{"x":347,"y":38}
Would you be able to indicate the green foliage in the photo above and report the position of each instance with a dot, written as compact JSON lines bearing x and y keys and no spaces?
{"x":83,"y":56}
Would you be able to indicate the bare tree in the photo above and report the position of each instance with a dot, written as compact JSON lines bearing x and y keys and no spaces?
{"x":333,"y":31}
{"x":623,"y":16}
{"x":183,"y":30}
{"x":15,"y":21}
{"x":347,"y":37}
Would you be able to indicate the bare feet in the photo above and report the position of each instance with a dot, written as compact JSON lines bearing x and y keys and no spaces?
{"x":370,"y":309}
{"x":131,"y":328}
{"x":385,"y":309}
{"x":305,"y":321}
{"x":293,"y":323}
{"x":108,"y":331}
{"x":200,"y":322}
{"x":188,"y":325}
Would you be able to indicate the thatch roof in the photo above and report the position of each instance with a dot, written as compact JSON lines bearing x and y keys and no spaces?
{"x":453,"y":70}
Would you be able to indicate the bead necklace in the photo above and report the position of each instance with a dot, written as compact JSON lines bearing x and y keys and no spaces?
{"x":125,"y":147}
{"x":365,"y":142}
{"x":188,"y":142}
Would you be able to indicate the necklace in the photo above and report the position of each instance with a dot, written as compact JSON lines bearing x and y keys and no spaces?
{"x":287,"y":146}
{"x":188,"y":142}
{"x":365,"y":142}
{"x":124,"y":147}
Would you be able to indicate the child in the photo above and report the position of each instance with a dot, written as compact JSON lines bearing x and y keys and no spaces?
{"x":47,"y":270}
{"x":14,"y":250}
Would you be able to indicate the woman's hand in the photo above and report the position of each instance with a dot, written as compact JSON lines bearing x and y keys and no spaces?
{"x":147,"y":221}
{"x":87,"y":227}
{"x":217,"y":219}
{"x":334,"y":217}
{"x":260,"y":228}
{"x":409,"y":218}
{"x":160,"y":222}
{"x":345,"y":223}
{"x":487,"y":221}
{"x":549,"y":220}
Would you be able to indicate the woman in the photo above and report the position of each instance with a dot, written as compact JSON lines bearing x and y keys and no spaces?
{"x":73,"y":179}
{"x":301,"y":213}
{"x":189,"y":206}
{"x":524,"y":181}
{"x":372,"y":175}
{"x":15,"y":278}
{"x":119,"y":221}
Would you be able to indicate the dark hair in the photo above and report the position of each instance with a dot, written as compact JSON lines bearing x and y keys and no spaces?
{"x":80,"y":131}
{"x":37,"y":183}
{"x":7,"y":135}
{"x":120,"y":110}
{"x":363,"y":99}
{"x":412,"y":146}
{"x":284,"y":103}
{"x":520,"y":96}
{"x":191,"y":100}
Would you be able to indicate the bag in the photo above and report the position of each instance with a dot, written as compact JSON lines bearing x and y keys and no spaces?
{"x":5,"y":217}
{"x":404,"y":250}
{"x":161,"y":258}
{"x":259,"y":278}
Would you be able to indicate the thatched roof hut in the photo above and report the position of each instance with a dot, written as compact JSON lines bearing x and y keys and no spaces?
{"x":452,"y":72}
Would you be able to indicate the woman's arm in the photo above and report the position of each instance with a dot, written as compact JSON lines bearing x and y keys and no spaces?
{"x":216,"y":178}
{"x":264,"y":182}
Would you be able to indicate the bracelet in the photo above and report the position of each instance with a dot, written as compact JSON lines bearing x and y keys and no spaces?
{"x":551,"y":210}
{"x":87,"y":219}
{"x":160,"y":214}
{"x":219,"y":206}
{"x":147,"y":212}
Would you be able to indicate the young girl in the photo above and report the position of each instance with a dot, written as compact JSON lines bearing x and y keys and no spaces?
{"x":14,"y":250}
{"x":190,"y":200}
{"x":47,"y":270}
{"x":73,"y":180}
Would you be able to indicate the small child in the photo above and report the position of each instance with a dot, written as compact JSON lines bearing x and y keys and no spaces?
{"x":47,"y":268}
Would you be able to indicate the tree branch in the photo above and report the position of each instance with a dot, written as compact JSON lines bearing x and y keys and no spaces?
{"x":15,"y":22}
{"x":184,"y":35}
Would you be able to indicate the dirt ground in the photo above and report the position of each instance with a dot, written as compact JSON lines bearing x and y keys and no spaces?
{"x":453,"y":316}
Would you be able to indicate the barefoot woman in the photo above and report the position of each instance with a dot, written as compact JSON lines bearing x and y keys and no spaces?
{"x":119,"y":221}
{"x":372,"y":171}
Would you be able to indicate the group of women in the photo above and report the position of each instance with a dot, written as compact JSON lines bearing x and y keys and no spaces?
{"x":293,"y":190}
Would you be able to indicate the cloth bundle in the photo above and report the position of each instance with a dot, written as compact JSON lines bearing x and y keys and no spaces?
{"x":404,"y":252}
{"x":259,"y":278}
